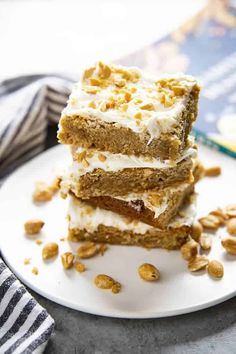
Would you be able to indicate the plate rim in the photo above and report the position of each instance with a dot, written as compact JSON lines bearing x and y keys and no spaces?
{"x":129,"y":315}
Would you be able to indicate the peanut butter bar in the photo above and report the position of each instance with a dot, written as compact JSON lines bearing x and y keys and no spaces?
{"x":122,"y":110}
{"x":100,"y":225}
{"x":153,"y":208}
{"x":95,"y":174}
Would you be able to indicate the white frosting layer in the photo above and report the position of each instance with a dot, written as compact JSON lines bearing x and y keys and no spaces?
{"x":86,"y":217}
{"x":116,"y":162}
{"x":158,"y":210}
{"x":160,"y":120}
{"x":147,"y":199}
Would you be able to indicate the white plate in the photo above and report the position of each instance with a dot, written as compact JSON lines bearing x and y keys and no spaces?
{"x":176,"y":293}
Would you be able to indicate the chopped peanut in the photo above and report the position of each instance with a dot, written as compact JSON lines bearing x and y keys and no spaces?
{"x":67,"y":260}
{"x":87,"y":250}
{"x":27,"y":261}
{"x":102,"y":157}
{"x":33,"y":226}
{"x":213,"y":171}
{"x":50,"y":250}
{"x":35,"y":271}
{"x":189,"y":250}
{"x":198,"y":263}
{"x":38,"y":242}
{"x":42,"y":192}
{"x":55,"y":186}
{"x":80,"y":267}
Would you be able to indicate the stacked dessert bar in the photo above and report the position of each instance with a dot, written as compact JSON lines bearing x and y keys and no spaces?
{"x":134,"y":165}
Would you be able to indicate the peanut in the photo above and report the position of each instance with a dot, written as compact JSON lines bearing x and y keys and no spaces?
{"x":50,"y":250}
{"x":67,"y":260}
{"x":148,"y":272}
{"x":33,"y":226}
{"x":196,"y":230}
{"x":189,"y":250}
{"x":205,"y":241}
{"x":198,"y":263}
{"x":87,"y":250}
{"x":80,"y":267}
{"x":210,"y":222}
{"x":230,"y":245}
{"x":231,"y":226}
{"x":215,"y":269}
{"x":103,"y":281}
{"x":213,"y":171}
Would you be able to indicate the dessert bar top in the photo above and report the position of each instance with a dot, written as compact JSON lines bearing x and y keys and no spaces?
{"x":130,"y":98}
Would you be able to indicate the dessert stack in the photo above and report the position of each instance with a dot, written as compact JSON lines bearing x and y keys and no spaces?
{"x":134,"y":165}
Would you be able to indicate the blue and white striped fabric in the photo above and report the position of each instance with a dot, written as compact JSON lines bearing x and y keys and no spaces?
{"x":25,"y":327}
{"x":27,"y":105}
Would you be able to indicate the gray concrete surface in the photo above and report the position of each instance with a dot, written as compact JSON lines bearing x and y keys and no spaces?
{"x":208,"y":331}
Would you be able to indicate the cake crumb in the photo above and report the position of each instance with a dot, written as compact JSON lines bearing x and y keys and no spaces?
{"x":27,"y":261}
{"x":42,"y":192}
{"x":55,"y":185}
{"x":38,"y":242}
{"x":35,"y":271}
{"x":116,"y":287}
{"x":79,"y":267}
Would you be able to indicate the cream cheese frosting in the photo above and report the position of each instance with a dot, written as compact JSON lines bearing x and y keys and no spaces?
{"x":85,"y":217}
{"x":145,"y":197}
{"x":93,"y":159}
{"x":162,"y":198}
{"x":161,"y":118}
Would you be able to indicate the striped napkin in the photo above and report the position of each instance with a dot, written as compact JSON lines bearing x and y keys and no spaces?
{"x":28,"y":104}
{"x":25,"y":327}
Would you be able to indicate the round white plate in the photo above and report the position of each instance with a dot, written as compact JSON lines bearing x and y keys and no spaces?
{"x":177,"y":292}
